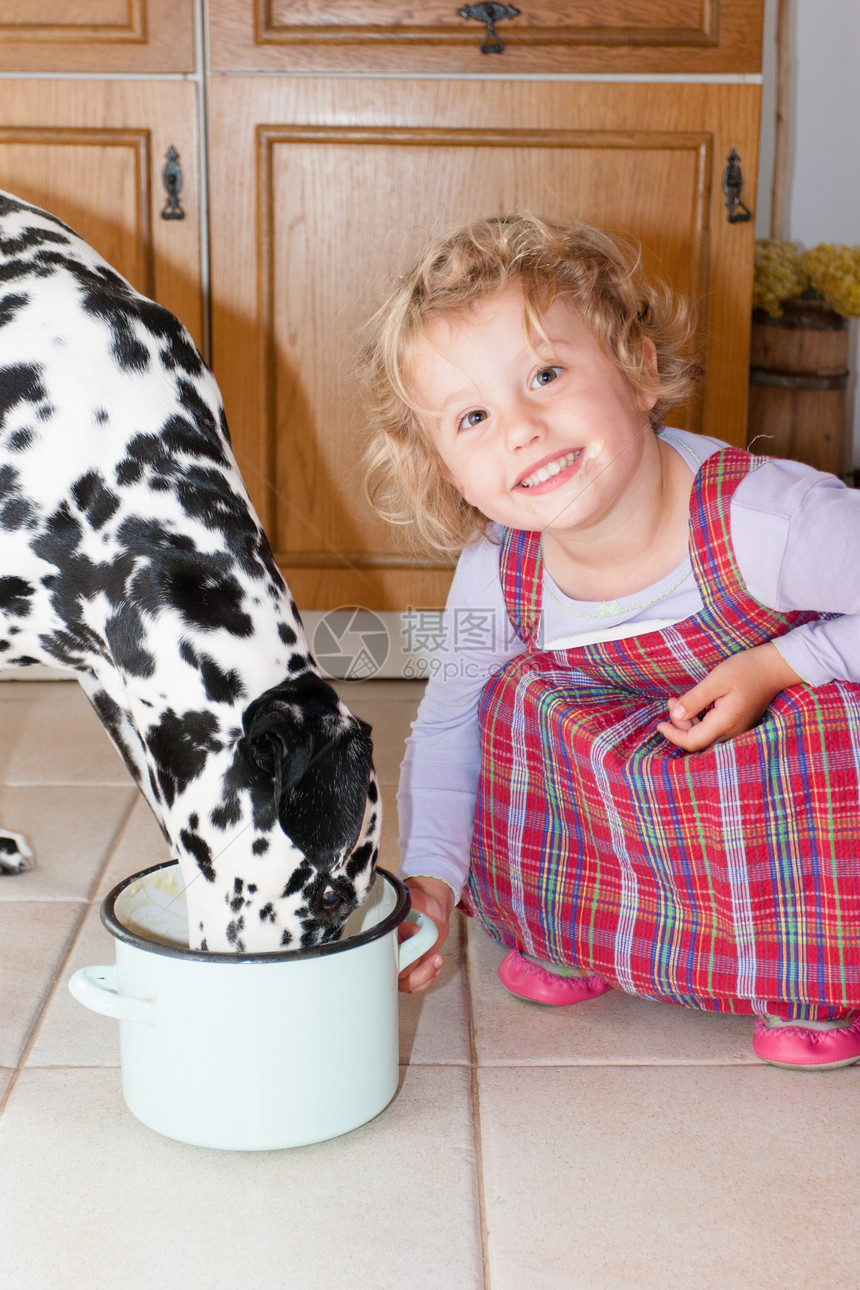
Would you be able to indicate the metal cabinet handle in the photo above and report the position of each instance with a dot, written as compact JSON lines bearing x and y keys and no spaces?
{"x":490,"y":14}
{"x":171,"y":177}
{"x":733,"y":181}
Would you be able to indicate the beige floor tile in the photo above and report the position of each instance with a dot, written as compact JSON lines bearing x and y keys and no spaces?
{"x":69,"y":1034}
{"x":614,"y":1028}
{"x":434,"y":1025}
{"x":688,"y":1178}
{"x":34,"y":936}
{"x":70,"y":829}
{"x":56,"y":741}
{"x":92,"y":1198}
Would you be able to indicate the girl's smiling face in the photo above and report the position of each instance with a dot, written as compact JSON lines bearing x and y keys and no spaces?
{"x":536,"y":434}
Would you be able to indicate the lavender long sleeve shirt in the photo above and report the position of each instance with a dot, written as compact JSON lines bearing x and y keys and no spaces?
{"x":796,"y":535}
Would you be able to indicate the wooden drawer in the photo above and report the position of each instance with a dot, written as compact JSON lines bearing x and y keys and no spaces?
{"x":97,"y":36}
{"x":591,"y":36}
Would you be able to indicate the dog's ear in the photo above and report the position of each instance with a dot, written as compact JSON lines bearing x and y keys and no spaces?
{"x":319,"y":763}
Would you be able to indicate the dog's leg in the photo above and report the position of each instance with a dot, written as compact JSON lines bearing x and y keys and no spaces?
{"x":15,"y":855}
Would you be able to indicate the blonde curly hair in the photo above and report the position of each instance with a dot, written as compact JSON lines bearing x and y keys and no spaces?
{"x":596,"y":273}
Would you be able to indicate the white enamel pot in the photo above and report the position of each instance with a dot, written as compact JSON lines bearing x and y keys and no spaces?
{"x":252,"y":1051}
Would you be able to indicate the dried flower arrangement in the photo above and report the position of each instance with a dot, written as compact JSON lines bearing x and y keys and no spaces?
{"x":826,"y":273}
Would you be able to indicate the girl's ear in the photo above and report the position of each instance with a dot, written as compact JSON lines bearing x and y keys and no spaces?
{"x":649,"y":356}
{"x":649,"y":363}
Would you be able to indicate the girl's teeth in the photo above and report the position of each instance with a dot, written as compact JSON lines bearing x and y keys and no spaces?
{"x":554,"y":468}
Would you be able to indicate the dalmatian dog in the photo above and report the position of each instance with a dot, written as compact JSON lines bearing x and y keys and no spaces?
{"x":130,"y":553}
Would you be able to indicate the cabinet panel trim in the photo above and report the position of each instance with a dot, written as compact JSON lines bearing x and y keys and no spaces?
{"x":132,"y":31}
{"x":138,"y":141}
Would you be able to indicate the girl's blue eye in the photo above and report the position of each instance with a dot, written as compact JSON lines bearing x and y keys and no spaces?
{"x":473,"y":418}
{"x":546,"y":376}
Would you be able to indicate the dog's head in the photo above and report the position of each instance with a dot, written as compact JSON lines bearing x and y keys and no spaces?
{"x":298,"y":827}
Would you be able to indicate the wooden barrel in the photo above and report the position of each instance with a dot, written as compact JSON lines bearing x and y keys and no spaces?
{"x":798,"y":383}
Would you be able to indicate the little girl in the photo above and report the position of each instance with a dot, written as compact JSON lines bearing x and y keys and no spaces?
{"x":637,"y":764}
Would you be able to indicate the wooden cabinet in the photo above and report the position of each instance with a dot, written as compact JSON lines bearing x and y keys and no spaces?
{"x":322,"y":188}
{"x":340,"y":135}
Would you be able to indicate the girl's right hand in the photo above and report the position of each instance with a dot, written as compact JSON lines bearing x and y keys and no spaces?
{"x":435,"y":898}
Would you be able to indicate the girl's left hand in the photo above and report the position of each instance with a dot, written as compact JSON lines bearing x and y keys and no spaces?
{"x":730,"y":700}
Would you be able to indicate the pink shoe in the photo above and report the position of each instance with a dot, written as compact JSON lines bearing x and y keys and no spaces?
{"x":528,"y":981}
{"x":798,"y":1048}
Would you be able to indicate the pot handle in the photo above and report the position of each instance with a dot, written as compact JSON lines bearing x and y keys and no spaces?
{"x":423,"y":940}
{"x":95,"y":988}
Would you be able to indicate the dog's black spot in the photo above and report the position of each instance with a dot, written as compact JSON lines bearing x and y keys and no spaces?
{"x":286,"y":938}
{"x":220,"y":686}
{"x":234,"y":929}
{"x":11,"y":305}
{"x":180,"y":746}
{"x":125,"y":634}
{"x":267,"y":913}
{"x":21,"y":440}
{"x":372,"y":793}
{"x":298,"y":879}
{"x":237,"y":900}
{"x":286,"y":633}
{"x":188,"y":653}
{"x":260,"y":846}
{"x":226,"y":814}
{"x":92,"y":497}
{"x":359,"y":860}
{"x":15,"y":594}
{"x":100,"y":416}
{"x":206,"y":599}
{"x":196,"y":847}
{"x":19,"y":383}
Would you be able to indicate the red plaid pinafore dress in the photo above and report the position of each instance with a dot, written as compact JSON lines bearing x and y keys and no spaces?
{"x":727,"y":879}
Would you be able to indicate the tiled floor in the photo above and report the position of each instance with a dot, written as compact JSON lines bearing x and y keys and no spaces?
{"x":619,"y":1145}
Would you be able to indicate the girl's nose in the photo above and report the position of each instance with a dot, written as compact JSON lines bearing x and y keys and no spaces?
{"x":524,"y":426}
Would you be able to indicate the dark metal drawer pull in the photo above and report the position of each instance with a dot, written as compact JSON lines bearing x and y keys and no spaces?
{"x":733,"y":182}
{"x":171,"y":177}
{"x":490,"y":14}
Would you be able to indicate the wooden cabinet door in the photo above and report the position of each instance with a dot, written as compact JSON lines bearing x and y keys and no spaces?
{"x":93,"y":152}
{"x":97,"y":36}
{"x":318,"y":199}
{"x":595,"y":36}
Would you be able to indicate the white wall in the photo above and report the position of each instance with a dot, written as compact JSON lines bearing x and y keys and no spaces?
{"x":823,"y":183}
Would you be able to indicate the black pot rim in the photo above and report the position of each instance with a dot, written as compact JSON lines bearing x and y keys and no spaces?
{"x":122,"y":933}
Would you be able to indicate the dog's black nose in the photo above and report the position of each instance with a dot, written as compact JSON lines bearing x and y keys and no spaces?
{"x":331,"y":898}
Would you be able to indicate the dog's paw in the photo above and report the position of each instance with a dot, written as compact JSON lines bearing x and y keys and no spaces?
{"x":15,"y":855}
